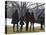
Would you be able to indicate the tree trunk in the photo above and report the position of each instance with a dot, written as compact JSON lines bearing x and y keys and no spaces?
{"x":5,"y":26}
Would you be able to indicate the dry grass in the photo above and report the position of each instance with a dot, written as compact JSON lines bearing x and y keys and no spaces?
{"x":10,"y":30}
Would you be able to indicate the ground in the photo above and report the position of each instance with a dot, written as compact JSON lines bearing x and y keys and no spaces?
{"x":10,"y":30}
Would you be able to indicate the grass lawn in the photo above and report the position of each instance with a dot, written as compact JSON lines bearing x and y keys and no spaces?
{"x":10,"y":30}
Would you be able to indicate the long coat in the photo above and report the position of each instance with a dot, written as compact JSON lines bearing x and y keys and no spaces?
{"x":27,"y":14}
{"x":15,"y":18}
{"x":32,"y":19}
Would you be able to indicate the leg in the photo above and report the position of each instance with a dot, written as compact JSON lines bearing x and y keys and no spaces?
{"x":27,"y":26}
{"x":21,"y":28}
{"x":33,"y":27}
{"x":13,"y":27}
{"x":17,"y":27}
{"x":41,"y":26}
{"x":30,"y":26}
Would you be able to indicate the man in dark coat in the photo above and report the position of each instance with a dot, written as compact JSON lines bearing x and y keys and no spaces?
{"x":27,"y":14}
{"x":15,"y":20}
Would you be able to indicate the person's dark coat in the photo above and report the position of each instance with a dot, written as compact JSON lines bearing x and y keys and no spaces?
{"x":27,"y":16}
{"x":27,"y":19}
{"x":21,"y":21}
{"x":32,"y":19}
{"x":41,"y":20}
{"x":15,"y":17}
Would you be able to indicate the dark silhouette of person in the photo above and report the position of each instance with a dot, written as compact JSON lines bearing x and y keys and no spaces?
{"x":15,"y":20}
{"x":27,"y":14}
{"x":32,"y":20}
{"x":21,"y":23}
{"x":41,"y":19}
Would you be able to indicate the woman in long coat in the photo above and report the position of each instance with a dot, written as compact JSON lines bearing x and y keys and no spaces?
{"x":15,"y":20}
{"x":32,"y":20}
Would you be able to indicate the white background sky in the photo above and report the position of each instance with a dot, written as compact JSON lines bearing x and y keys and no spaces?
{"x":2,"y":17}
